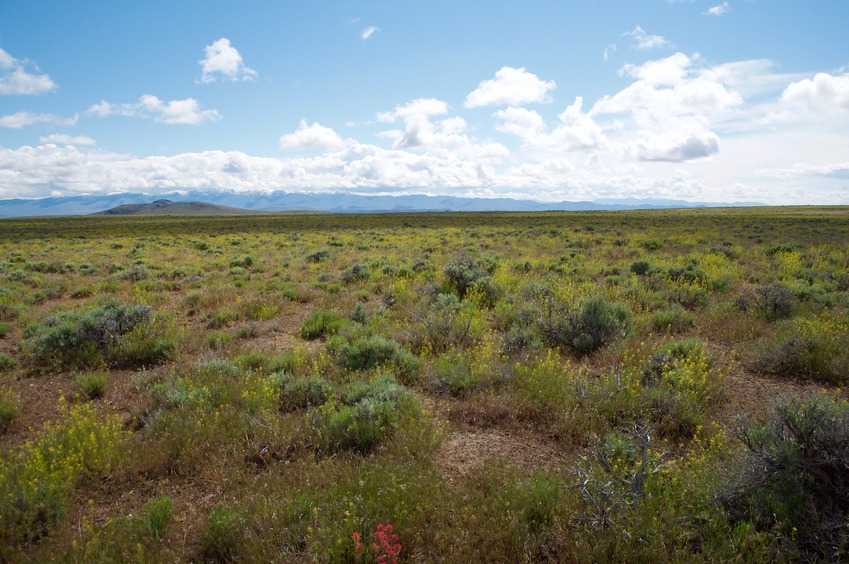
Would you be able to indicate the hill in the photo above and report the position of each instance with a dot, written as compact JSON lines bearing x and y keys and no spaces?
{"x":167,"y":207}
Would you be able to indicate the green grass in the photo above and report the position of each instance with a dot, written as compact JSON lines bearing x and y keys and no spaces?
{"x":495,"y":387}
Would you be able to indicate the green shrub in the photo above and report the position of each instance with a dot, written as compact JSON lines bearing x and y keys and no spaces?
{"x":774,"y":301}
{"x":673,"y":320}
{"x":356,"y":273}
{"x":370,"y":413}
{"x":301,"y":393}
{"x":372,"y":351}
{"x":4,"y":330}
{"x":597,"y":322}
{"x":7,"y":362}
{"x":464,"y":270}
{"x":453,"y":375}
{"x":798,"y":479}
{"x":123,"y":334}
{"x":92,"y":384}
{"x":321,"y":324}
{"x":319,"y":256}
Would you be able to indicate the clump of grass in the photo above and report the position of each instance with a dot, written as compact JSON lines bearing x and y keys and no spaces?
{"x":9,"y":408}
{"x":156,"y":516}
{"x":92,"y":384}
{"x":673,"y":320}
{"x":223,"y":535}
{"x":320,"y":324}
{"x":807,"y":349}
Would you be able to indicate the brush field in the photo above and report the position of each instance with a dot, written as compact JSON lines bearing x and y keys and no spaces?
{"x":610,"y":386}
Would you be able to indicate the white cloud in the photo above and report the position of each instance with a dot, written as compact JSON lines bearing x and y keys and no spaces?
{"x":224,"y":61}
{"x":442,"y":136}
{"x":368,"y":32}
{"x":23,"y":119}
{"x":180,"y":112}
{"x":62,"y":139}
{"x":16,"y":79}
{"x":718,"y":10}
{"x":824,"y":93}
{"x":677,"y":145}
{"x":831,"y":170}
{"x":513,"y":87}
{"x":681,"y":129}
{"x":609,"y":50}
{"x":311,"y":136}
{"x":576,"y":131}
{"x":643,"y":41}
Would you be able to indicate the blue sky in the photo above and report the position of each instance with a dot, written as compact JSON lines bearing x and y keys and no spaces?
{"x":704,"y":100}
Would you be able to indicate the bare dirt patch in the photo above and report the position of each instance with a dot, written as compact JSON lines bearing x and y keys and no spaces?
{"x":463,"y":451}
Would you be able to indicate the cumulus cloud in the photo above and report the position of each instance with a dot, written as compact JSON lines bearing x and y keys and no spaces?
{"x":824,"y":93}
{"x":576,"y":131}
{"x":513,"y":87}
{"x":180,"y":112}
{"x":62,"y":139}
{"x":718,"y":10}
{"x":609,"y":50}
{"x":665,"y":114}
{"x":224,"y":61}
{"x":643,"y":41}
{"x":16,"y":79}
{"x":310,"y":137}
{"x":23,"y":119}
{"x":681,"y":145}
{"x":368,"y":32}
{"x":421,"y":132}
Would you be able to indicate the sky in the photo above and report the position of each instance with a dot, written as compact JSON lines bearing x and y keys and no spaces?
{"x":699,"y":100}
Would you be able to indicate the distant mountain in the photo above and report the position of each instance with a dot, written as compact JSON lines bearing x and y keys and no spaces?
{"x":167,"y":207}
{"x":333,"y":202}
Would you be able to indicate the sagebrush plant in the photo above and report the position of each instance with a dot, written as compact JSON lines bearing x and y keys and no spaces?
{"x":798,"y":479}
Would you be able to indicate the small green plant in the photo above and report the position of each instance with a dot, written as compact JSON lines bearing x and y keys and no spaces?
{"x":7,"y":362}
{"x":224,"y":535}
{"x":320,"y":324}
{"x":156,"y":516}
{"x":9,"y":408}
{"x":92,"y":384}
{"x":372,"y":351}
{"x":301,"y":393}
{"x":673,"y":320}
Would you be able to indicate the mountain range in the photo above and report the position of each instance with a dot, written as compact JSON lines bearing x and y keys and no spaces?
{"x":325,"y":202}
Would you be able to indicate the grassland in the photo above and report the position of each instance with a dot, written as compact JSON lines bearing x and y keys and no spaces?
{"x":610,"y":386}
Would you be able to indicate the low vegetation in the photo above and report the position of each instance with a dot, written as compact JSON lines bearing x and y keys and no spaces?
{"x":634,"y":386}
